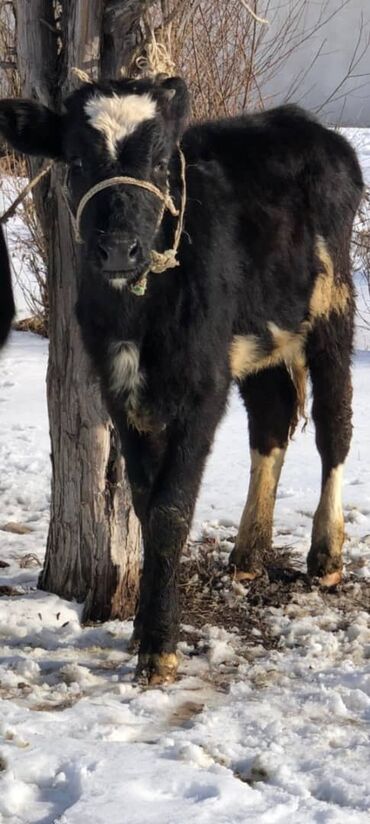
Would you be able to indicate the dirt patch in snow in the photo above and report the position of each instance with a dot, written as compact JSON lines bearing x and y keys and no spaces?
{"x":209,"y":595}
{"x":6,"y":591}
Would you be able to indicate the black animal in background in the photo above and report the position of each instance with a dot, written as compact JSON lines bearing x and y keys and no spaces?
{"x":263,"y":294}
{"x":7,"y":308}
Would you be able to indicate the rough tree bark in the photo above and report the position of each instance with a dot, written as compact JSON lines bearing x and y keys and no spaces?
{"x":93,"y":544}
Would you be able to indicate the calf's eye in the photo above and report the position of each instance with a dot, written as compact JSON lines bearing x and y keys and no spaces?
{"x":160,"y":166}
{"x":76,"y":165}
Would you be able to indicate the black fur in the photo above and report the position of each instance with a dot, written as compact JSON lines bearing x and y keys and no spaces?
{"x":30,"y":127}
{"x":261,"y":189}
{"x":7,"y":308}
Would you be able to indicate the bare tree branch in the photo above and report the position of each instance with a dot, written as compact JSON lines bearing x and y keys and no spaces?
{"x":254,"y":15}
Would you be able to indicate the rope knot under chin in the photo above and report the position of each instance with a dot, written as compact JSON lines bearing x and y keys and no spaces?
{"x":161,"y":261}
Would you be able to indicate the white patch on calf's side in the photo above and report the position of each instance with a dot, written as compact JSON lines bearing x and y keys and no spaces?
{"x":118,"y":116}
{"x":244,"y":355}
{"x":247,"y":354}
{"x":247,"y":357}
{"x":328,"y":295}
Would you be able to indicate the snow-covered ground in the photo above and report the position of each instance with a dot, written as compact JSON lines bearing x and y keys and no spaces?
{"x":248,"y":734}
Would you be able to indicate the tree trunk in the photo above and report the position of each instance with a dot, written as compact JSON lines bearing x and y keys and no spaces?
{"x":93,"y":544}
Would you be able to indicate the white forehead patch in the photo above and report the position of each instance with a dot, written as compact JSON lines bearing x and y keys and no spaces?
{"x":117,"y":117}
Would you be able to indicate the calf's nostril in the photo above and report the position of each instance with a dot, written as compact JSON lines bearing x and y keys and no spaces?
{"x":133,"y":250}
{"x":103,"y":251}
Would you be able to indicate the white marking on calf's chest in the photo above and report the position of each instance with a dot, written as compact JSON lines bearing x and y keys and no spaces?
{"x":117,"y":117}
{"x":125,"y":381}
{"x":124,"y":369}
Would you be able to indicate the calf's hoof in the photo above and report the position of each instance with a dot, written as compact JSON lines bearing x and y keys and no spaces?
{"x":154,"y":669}
{"x":321,"y":565}
{"x":331,"y":580}
{"x":244,"y":567}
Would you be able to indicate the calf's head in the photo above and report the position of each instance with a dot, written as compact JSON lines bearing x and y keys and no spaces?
{"x":120,"y":128}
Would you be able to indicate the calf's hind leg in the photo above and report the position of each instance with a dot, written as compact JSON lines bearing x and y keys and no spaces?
{"x":329,"y":356}
{"x":271,"y":401}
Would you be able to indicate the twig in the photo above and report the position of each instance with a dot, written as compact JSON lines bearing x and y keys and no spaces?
{"x":253,"y":14}
{"x":31,"y":185}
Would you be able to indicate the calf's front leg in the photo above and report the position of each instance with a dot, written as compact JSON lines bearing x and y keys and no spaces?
{"x":143,"y":457}
{"x":169,"y":518}
{"x":169,"y":524}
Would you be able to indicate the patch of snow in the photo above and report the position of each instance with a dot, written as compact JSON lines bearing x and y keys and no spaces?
{"x":17,"y":233}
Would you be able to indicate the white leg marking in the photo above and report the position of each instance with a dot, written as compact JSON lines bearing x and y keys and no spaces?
{"x":328,"y":523}
{"x":255,"y":529}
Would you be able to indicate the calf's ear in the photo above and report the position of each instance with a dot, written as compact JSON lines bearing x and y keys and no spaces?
{"x":175,"y":101}
{"x":31,"y":128}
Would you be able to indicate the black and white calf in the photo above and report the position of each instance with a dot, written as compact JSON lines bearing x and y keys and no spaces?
{"x":263,"y":293}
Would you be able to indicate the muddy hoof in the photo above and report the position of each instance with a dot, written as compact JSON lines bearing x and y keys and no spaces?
{"x":327,"y":569}
{"x":241,"y":575}
{"x":156,"y":669}
{"x":332,"y":579}
{"x":244,"y":568}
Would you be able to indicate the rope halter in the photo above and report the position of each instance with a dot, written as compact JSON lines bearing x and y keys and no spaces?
{"x":165,"y":197}
{"x":159,"y":261}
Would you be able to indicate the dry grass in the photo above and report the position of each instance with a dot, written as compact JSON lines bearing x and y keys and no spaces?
{"x":9,"y":592}
{"x":28,"y":244}
{"x":210,"y":597}
{"x":36,"y":324}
